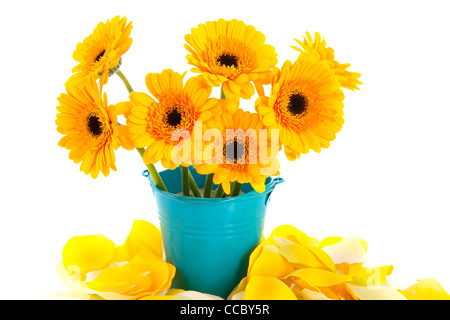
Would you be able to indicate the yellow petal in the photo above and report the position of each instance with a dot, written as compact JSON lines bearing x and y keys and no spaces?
{"x":268,"y":288}
{"x":123,"y":280}
{"x":194,"y":295}
{"x":368,"y":277}
{"x":161,"y":298}
{"x":123,"y":108}
{"x":307,"y":294}
{"x":350,"y":250}
{"x":226,"y":187}
{"x":141,"y":99}
{"x":375,"y":293}
{"x":269,"y":119}
{"x":124,"y":138}
{"x":321,"y":278}
{"x":145,"y":274}
{"x":174,"y":291}
{"x":290,"y":233}
{"x":299,"y":254}
{"x":270,"y":263}
{"x":425,"y":289}
{"x":323,"y":257}
{"x":158,"y":270}
{"x":143,"y":236}
{"x":88,"y":253}
{"x":259,"y":187}
{"x":333,"y":240}
{"x":238,"y":289}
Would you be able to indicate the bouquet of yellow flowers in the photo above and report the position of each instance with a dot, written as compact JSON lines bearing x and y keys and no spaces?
{"x":179,"y":124}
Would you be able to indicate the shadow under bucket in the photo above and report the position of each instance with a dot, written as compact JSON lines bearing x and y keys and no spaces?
{"x":209,"y":240}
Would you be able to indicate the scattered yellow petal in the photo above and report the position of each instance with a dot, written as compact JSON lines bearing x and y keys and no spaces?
{"x":307,"y":294}
{"x":270,"y":263}
{"x":238,"y":289}
{"x":375,"y":293}
{"x":350,"y":250}
{"x":364,"y":276}
{"x":268,"y":288}
{"x":425,"y":289}
{"x":300,"y":255}
{"x":320,"y":278}
{"x":143,"y":236}
{"x":290,"y":233}
{"x":88,"y":253}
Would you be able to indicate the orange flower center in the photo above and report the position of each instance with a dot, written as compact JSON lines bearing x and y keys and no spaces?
{"x":229,"y":57}
{"x":295,"y":105}
{"x":239,"y":151}
{"x":173,"y":112}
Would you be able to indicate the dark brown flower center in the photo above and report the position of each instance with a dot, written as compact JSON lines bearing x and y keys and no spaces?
{"x":101,"y":54}
{"x":95,"y":126}
{"x":235,"y":150}
{"x":297,"y":104}
{"x":173,"y":118}
{"x":227,"y":59}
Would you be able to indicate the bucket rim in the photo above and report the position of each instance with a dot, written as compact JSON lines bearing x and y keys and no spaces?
{"x":252,"y":194}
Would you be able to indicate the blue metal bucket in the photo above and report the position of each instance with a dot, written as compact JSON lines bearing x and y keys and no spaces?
{"x":209,"y":240}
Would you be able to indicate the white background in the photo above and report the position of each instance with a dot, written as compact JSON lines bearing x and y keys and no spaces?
{"x":384,"y":179}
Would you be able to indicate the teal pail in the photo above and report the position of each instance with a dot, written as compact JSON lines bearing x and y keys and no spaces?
{"x":209,"y":240}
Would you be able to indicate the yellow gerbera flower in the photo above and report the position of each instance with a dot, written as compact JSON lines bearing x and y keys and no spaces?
{"x":231,"y":53}
{"x":239,"y":157}
{"x":306,"y":105}
{"x":348,"y":79}
{"x":89,"y":128}
{"x":100,"y":53}
{"x":160,"y":125}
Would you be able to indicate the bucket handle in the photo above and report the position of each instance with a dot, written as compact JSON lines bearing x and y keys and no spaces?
{"x":278,"y":180}
{"x":146,"y":174}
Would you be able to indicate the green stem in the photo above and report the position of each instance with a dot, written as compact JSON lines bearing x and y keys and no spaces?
{"x":185,"y":180}
{"x":151,"y":167}
{"x":194,"y":187}
{"x":236,"y":189}
{"x":208,"y":185}
{"x":153,"y":172}
{"x":222,"y":94}
{"x":125,"y":81}
{"x":219,"y":191}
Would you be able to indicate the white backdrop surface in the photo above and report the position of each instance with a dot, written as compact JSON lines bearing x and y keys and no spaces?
{"x":384,"y":179}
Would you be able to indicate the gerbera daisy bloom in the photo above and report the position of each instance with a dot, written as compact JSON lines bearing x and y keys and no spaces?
{"x":231,"y":53}
{"x":89,"y":128}
{"x":100,"y":53}
{"x":160,"y":125}
{"x":306,"y":105}
{"x":239,"y":155}
{"x":348,"y":79}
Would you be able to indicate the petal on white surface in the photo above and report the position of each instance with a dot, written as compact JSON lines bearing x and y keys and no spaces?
{"x":194,"y":295}
{"x":376,"y":293}
{"x":312,"y":295}
{"x":347,"y":250}
{"x":239,"y":296}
